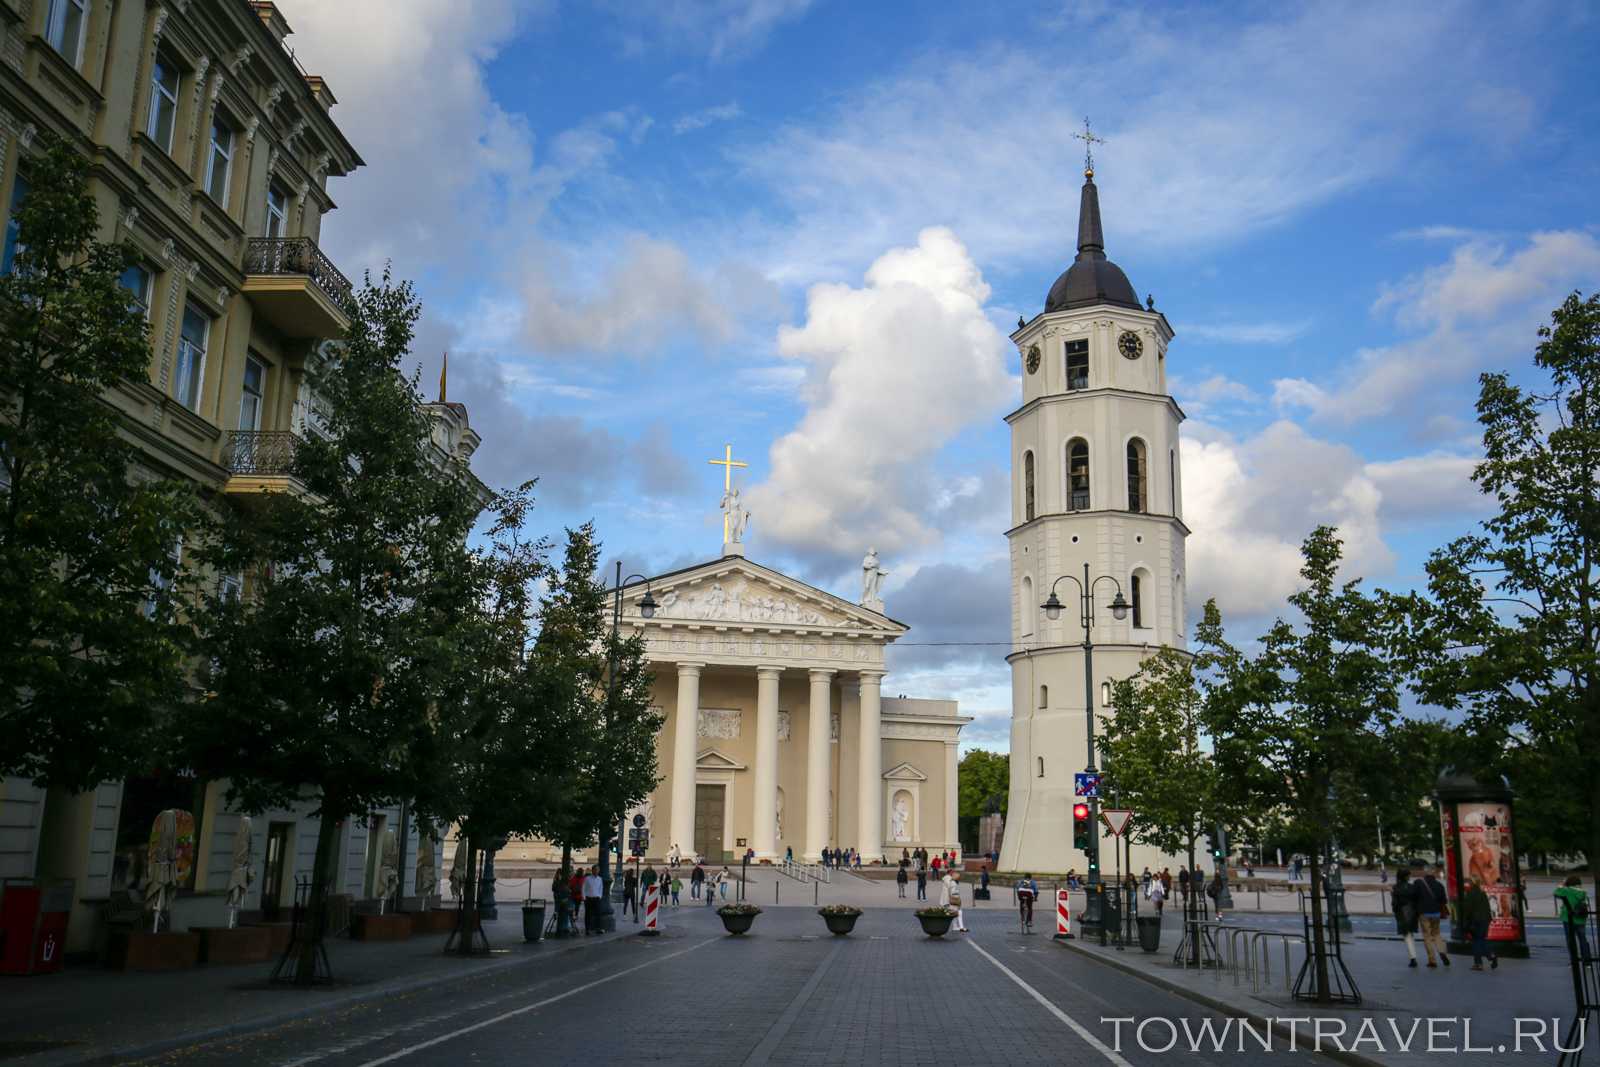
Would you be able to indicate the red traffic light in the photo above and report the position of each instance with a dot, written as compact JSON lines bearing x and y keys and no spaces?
{"x":1080,"y":811}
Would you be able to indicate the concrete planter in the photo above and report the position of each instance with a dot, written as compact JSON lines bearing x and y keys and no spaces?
{"x":840,"y":925}
{"x":936,"y":925}
{"x":242,"y":944}
{"x":737,"y":922}
{"x":139,"y":950}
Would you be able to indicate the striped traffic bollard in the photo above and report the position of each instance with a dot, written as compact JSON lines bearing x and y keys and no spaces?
{"x":1063,"y":917}
{"x":652,"y":910}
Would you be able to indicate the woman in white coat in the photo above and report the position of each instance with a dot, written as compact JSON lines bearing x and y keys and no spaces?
{"x":951,"y":898}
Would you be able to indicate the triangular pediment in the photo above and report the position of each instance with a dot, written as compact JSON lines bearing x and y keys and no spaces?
{"x":904,"y":772}
{"x":712,"y":760}
{"x":733,"y":592}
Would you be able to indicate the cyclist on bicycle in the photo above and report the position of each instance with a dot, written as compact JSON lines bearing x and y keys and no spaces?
{"x":1026,"y":889}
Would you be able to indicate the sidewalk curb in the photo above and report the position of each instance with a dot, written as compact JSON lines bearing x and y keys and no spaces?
{"x":1355,"y":1059}
{"x":124,"y":1053}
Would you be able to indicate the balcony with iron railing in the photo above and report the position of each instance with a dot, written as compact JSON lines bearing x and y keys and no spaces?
{"x":261,"y":461}
{"x":296,"y":288}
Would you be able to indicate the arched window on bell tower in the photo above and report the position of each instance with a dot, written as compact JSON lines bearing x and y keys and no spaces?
{"x":1044,"y":697}
{"x":1077,"y":474}
{"x":1138,"y":477}
{"x":1138,"y":589}
{"x":1027,"y":487}
{"x":1026,"y":608}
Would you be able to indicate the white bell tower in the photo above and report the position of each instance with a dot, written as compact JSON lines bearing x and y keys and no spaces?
{"x":1094,"y":479}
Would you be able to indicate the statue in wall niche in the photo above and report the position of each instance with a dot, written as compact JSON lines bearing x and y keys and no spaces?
{"x":872,"y":576}
{"x":779,"y":816}
{"x":902,"y":818}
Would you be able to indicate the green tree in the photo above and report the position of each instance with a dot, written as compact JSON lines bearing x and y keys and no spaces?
{"x":601,"y":685}
{"x":329,"y":677}
{"x":1510,"y":625}
{"x":92,"y":654}
{"x":1302,"y":718}
{"x":1158,"y":760}
{"x":984,"y":778}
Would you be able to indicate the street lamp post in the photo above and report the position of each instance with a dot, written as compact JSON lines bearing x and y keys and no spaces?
{"x":647,"y":608}
{"x":1119,"y":610}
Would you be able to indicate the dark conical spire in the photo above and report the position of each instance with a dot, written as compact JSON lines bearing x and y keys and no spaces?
{"x":1092,"y":278}
{"x":1091,"y":239}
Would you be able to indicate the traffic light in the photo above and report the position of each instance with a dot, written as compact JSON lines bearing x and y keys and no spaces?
{"x":1080,"y":826}
{"x":1217,"y":842}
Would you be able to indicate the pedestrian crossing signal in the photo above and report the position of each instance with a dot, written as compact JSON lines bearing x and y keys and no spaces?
{"x":1080,"y":826}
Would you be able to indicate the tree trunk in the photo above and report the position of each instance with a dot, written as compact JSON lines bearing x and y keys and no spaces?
{"x":1319,"y":944}
{"x":316,"y":916}
{"x":1190,"y":908}
{"x":469,"y":901}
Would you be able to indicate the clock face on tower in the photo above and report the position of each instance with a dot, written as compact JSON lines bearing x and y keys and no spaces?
{"x":1033,"y":359}
{"x":1130,"y":345}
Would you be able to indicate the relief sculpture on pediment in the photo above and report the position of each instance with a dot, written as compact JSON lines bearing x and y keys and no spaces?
{"x":738,"y":600}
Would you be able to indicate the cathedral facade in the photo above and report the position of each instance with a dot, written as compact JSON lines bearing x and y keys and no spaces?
{"x":1096,"y":508}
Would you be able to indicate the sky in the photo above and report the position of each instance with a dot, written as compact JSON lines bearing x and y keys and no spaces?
{"x":806,"y":227}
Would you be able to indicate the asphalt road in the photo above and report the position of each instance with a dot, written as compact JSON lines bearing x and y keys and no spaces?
{"x":786,"y":993}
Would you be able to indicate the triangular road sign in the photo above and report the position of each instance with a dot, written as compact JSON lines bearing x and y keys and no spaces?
{"x":1117,"y":819}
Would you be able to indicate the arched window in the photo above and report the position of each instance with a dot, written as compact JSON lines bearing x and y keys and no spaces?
{"x":1105,"y":694}
{"x":1138,"y":585}
{"x":1078,"y":475}
{"x":1027,"y":487}
{"x":1138,"y":476}
{"x":1041,"y":766}
{"x":1172,"y":477}
{"x":1044,"y":697}
{"x":1026,"y":609}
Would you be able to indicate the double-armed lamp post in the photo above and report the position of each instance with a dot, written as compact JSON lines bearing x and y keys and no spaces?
{"x":1119,"y":611}
{"x":647,"y":608}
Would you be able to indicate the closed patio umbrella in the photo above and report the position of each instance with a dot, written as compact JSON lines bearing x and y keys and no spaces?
{"x":427,"y":877}
{"x":243,"y":870}
{"x":388,"y":869}
{"x":162,"y":866}
{"x":458,"y":868}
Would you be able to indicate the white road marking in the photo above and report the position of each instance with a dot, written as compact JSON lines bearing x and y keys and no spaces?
{"x":502,"y":1017}
{"x":1072,"y":1024}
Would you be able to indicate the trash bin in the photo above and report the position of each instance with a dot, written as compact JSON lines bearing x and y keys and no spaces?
{"x":1149,"y":932}
{"x":533,"y":921}
{"x":33,"y":926}
{"x":1111,"y":917}
{"x":980,"y":894}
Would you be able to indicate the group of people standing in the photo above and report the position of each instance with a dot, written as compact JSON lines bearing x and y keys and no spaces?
{"x":841,"y":858}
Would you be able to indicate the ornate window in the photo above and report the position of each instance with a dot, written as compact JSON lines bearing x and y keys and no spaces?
{"x":191,"y":357}
{"x":163,"y":102}
{"x":1138,"y":476}
{"x":1078,"y":475}
{"x":252,"y":393}
{"x":219,"y":161}
{"x":1027,"y":487}
{"x":277,"y":212}
{"x":1077,"y":365}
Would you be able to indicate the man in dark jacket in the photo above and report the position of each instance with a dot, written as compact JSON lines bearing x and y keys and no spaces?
{"x":1475,"y":916}
{"x":1403,"y":905}
{"x":1432,"y":904}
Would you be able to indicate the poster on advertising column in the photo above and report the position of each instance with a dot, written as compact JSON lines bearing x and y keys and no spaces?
{"x":1483,"y":841}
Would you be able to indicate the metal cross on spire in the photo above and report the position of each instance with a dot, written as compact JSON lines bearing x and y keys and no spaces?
{"x":1089,"y":141}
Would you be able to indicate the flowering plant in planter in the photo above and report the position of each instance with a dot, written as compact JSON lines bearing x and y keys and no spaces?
{"x":738,"y":909}
{"x":838,"y":909}
{"x":936,"y":912}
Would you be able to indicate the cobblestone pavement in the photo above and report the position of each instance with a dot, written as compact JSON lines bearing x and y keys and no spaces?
{"x":787,"y":993}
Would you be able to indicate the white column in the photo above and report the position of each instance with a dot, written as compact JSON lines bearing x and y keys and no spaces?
{"x":952,"y":795}
{"x":764,"y":835}
{"x":869,"y":784}
{"x":684,"y":734}
{"x":819,"y":726}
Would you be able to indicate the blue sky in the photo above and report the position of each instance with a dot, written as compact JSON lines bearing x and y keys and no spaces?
{"x":806,"y":227}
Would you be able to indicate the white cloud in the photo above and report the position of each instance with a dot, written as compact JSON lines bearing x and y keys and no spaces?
{"x":1199,"y":151}
{"x":1479,"y":309}
{"x":1206,"y":394}
{"x":717,"y":29}
{"x":1431,"y":486}
{"x":653,"y":290}
{"x":1248,"y":333}
{"x":896,"y":368}
{"x":1252,"y":502}
{"x":699,"y":120}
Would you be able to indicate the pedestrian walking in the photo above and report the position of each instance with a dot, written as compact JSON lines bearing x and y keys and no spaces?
{"x":1026,"y":890}
{"x":857,"y":859}
{"x":983,"y":885}
{"x":1403,"y":906}
{"x":922,"y":883}
{"x":575,"y":894}
{"x":900,"y":879}
{"x":710,"y":889}
{"x":1158,"y":895}
{"x":674,"y":854}
{"x":723,"y":878}
{"x":1572,"y":908}
{"x":1145,"y":879}
{"x":788,"y":854}
{"x":630,"y":894}
{"x":1475,"y":916}
{"x":677,"y":887}
{"x":1183,"y":885}
{"x":593,"y":890}
{"x":951,"y":898}
{"x":697,"y":878}
{"x":1431,"y":901}
{"x":1166,"y":880}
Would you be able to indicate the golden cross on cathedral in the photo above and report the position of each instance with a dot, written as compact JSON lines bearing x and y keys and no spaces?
{"x":1089,"y":141}
{"x":727,"y":463}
